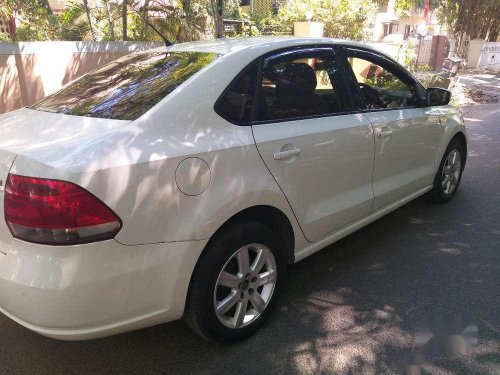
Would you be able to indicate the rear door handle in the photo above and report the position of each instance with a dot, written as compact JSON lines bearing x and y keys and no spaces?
{"x":286,"y":154}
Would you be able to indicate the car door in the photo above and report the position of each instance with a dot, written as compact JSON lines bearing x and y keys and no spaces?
{"x":319,"y":152}
{"x":407,"y":133}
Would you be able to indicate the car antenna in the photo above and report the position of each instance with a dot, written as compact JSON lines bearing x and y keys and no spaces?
{"x":165,"y":40}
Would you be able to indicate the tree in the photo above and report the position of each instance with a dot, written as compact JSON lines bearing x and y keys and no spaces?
{"x":407,"y":6}
{"x":124,"y":20}
{"x":72,"y":25}
{"x":144,"y":18}
{"x":351,"y":19}
{"x":109,"y":19}
{"x":35,"y":19}
{"x":89,"y":18}
{"x":475,"y":18}
{"x":179,"y":20}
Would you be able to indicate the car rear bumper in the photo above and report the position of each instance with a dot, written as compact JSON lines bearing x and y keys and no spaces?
{"x":94,"y":290}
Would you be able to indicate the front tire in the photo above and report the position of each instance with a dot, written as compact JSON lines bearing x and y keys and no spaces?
{"x":449,"y":174}
{"x":235,"y":283}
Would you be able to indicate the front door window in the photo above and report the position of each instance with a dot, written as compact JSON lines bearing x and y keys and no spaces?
{"x":380,"y":87}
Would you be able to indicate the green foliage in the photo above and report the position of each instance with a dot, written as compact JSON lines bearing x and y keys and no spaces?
{"x":37,"y":22}
{"x":106,"y":20}
{"x":28,"y":33}
{"x":475,"y":18}
{"x":424,"y":68}
{"x":407,"y":56}
{"x":4,"y":38}
{"x":433,"y":80}
{"x":231,"y":10}
{"x":274,"y":26}
{"x":350,"y":19}
{"x":407,"y":6}
{"x":386,"y":81}
{"x":181,"y":21}
{"x":73,"y":25}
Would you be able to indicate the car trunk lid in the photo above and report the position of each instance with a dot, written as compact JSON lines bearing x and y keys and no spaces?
{"x":24,"y":130}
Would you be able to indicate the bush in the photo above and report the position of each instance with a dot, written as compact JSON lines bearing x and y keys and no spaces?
{"x":273,"y":26}
{"x":26,"y":33}
{"x":350,"y":19}
{"x":433,"y":80}
{"x":4,"y":38}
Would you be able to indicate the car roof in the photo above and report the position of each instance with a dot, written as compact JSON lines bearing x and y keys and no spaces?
{"x":258,"y":45}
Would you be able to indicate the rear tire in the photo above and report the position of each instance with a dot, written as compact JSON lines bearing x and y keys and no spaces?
{"x":449,"y":174}
{"x":231,"y":294}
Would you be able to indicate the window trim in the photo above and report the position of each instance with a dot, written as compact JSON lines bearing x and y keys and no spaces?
{"x":346,"y":81}
{"x":377,"y":58}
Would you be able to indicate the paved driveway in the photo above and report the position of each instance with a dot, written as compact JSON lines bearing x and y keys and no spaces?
{"x":356,"y":307}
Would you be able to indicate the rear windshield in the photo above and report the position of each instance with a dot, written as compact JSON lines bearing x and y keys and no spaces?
{"x":128,"y":87}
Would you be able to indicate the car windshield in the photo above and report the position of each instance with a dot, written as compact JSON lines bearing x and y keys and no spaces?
{"x":128,"y":87}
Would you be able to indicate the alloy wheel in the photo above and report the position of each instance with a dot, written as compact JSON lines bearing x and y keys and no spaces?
{"x":245,"y":286}
{"x":451,"y":172}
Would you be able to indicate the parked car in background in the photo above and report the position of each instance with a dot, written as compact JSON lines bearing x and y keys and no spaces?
{"x":182,"y":181}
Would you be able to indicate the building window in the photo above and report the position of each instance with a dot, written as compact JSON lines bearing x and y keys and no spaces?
{"x":390,"y":27}
{"x":387,"y":27}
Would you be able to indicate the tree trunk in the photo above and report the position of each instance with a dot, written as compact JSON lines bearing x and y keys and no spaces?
{"x":89,"y":18}
{"x":220,"y":21}
{"x":46,"y":5}
{"x":144,"y":19}
{"x":12,"y":27}
{"x":493,"y":34}
{"x":110,"y":21}
{"x":458,"y":22}
{"x":124,"y":20}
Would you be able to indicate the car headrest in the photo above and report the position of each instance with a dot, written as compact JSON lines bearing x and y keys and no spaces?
{"x":297,"y":77}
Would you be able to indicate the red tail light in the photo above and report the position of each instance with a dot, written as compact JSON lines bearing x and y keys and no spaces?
{"x":56,"y":212}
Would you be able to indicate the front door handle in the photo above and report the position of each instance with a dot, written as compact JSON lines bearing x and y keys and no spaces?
{"x":384,"y":133}
{"x":286,"y":154}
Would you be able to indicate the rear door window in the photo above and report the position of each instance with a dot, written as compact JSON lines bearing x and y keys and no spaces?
{"x":128,"y":87}
{"x":305,"y":85}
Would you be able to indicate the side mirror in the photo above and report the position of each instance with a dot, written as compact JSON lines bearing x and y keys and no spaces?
{"x":438,"y":96}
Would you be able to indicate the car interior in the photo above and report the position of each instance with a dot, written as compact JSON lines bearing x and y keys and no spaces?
{"x":379,"y":87}
{"x":297,"y":88}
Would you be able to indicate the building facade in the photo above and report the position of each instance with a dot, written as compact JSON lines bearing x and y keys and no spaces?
{"x":391,"y":26}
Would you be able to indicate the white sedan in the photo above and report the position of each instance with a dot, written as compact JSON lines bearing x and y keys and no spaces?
{"x":180,"y":182}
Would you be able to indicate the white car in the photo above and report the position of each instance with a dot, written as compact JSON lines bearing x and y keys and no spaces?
{"x":182,"y":181}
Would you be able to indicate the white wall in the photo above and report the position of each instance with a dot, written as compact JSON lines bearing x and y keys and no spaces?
{"x":484,"y":55}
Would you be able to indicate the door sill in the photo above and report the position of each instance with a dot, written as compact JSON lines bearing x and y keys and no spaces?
{"x":316,"y":246}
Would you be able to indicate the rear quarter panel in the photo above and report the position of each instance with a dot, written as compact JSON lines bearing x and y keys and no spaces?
{"x":133,"y":168}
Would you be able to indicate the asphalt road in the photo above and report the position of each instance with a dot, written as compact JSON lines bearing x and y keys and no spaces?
{"x":354,"y":308}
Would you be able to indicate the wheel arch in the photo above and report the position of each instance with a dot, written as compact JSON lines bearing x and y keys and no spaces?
{"x":271,"y":217}
{"x":460,"y":137}
{"x":267,"y":215}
